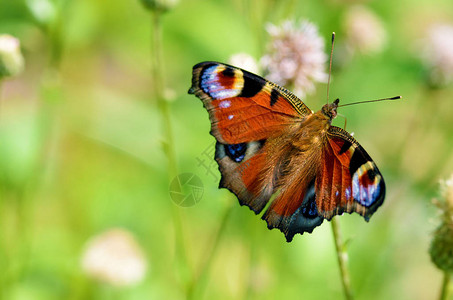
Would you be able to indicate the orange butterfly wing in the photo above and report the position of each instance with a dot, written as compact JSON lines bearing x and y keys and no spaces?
{"x":242,"y":106}
{"x":343,"y":179}
{"x":245,"y":110}
{"x":348,"y":181}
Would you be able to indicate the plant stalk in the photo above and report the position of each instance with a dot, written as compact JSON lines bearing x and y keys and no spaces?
{"x":342,"y":257}
{"x":1,"y":85}
{"x":445,"y":291}
{"x":200,"y":278}
{"x":158,"y":81}
{"x":169,"y":149}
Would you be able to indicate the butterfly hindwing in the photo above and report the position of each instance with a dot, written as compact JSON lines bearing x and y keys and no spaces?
{"x":242,"y":167}
{"x":294,"y":210}
{"x":349,"y":181}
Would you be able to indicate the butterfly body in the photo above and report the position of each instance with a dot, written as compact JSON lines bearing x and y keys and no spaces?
{"x":271,"y":145}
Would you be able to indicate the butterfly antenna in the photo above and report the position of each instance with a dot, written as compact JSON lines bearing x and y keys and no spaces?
{"x":330,"y":65}
{"x":375,"y":100}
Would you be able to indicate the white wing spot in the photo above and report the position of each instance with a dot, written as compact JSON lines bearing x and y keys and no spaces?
{"x":225,"y":104}
{"x":355,"y":186}
{"x":347,"y":192}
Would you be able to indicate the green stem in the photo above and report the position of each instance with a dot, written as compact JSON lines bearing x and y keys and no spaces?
{"x":445,"y":291}
{"x":1,"y":85}
{"x":159,"y":84}
{"x":199,"y":279}
{"x":55,"y":35}
{"x":23,"y":215}
{"x":169,"y":149}
{"x":342,"y":257}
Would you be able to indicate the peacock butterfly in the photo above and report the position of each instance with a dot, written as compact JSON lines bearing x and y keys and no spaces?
{"x":270,"y":144}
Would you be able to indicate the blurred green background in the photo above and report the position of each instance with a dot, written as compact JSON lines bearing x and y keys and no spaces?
{"x":83,"y":149}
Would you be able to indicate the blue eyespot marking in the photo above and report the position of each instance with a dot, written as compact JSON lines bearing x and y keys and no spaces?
{"x":306,"y":217}
{"x":211,"y":85}
{"x":236,"y":151}
{"x":311,"y":210}
{"x":366,"y":195}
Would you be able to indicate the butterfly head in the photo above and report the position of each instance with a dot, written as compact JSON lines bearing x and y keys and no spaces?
{"x":330,"y":109}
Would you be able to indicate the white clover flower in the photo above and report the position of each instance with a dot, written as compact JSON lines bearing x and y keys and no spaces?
{"x":447,"y":192}
{"x":44,"y":11}
{"x":437,"y":54}
{"x":244,"y":61}
{"x":114,"y":257}
{"x":295,"y":56}
{"x":11,"y":59}
{"x":364,"y":29}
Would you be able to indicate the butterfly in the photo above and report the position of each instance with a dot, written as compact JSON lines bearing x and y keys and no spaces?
{"x":273,"y":151}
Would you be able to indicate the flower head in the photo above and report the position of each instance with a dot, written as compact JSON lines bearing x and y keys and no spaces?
{"x":442,"y":244}
{"x":446,"y":204}
{"x":44,"y":11}
{"x":295,"y":56}
{"x":364,"y":30}
{"x":437,"y":54}
{"x":114,"y":257}
{"x":11,"y":59}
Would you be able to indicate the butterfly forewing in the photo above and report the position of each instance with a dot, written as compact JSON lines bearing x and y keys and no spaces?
{"x":243,"y":107}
